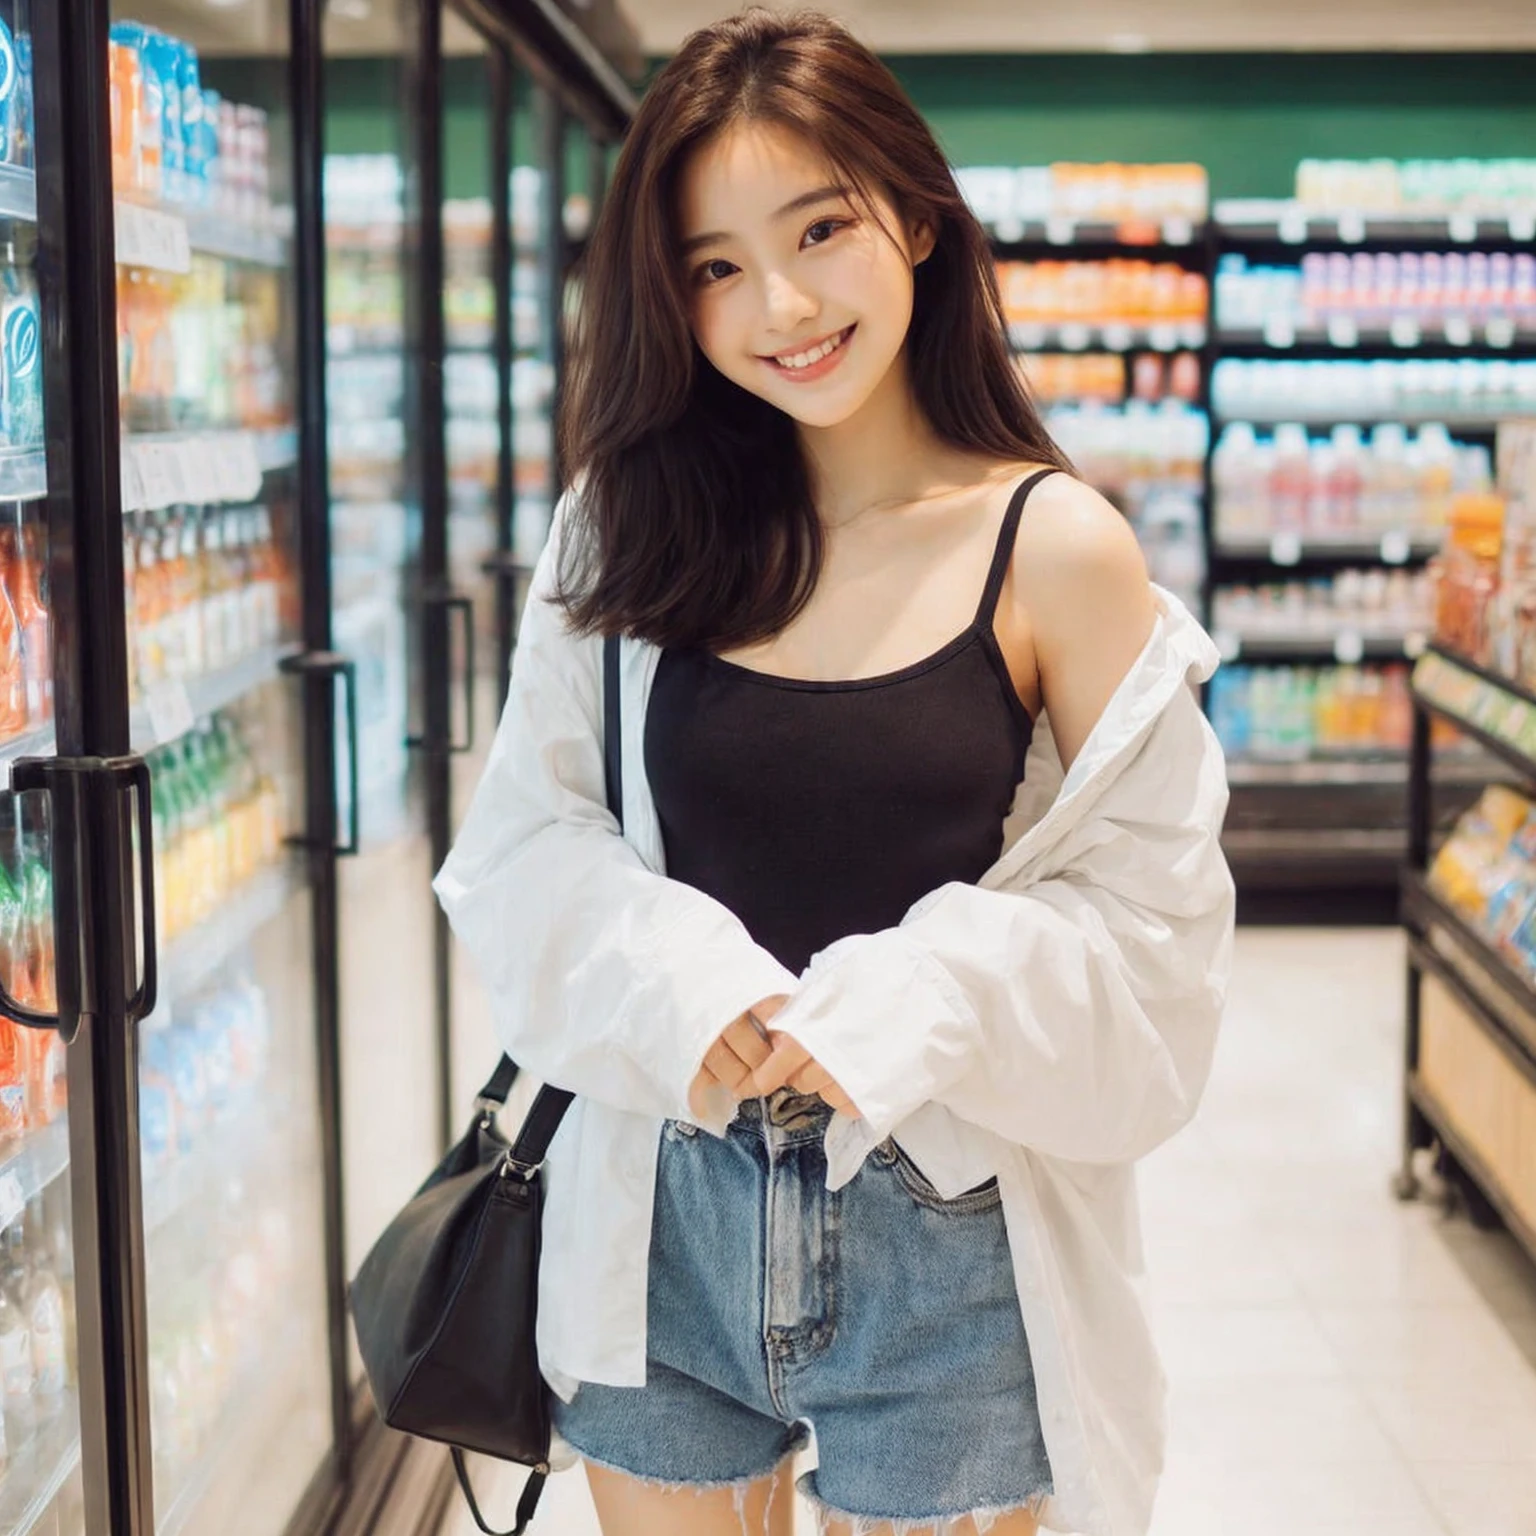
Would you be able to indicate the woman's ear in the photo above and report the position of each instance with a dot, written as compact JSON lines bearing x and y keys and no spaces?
{"x":922,"y":237}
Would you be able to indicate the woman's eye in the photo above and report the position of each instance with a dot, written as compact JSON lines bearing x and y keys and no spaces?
{"x":714,"y":271}
{"x":829,"y":227}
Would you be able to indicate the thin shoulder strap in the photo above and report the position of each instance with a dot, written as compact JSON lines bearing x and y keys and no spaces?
{"x":1004,"y":551}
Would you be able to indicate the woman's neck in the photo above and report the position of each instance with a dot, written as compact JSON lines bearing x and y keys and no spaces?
{"x":885,"y":455}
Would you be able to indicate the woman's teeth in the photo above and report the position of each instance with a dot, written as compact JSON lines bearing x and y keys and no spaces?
{"x":815,"y":355}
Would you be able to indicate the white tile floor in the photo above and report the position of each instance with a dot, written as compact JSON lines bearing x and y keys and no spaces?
{"x":1341,"y":1365}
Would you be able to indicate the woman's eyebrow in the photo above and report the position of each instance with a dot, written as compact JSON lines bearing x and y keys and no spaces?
{"x":805,"y":200}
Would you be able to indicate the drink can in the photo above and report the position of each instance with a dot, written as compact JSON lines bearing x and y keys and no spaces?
{"x":8,"y":73}
{"x":21,"y":370}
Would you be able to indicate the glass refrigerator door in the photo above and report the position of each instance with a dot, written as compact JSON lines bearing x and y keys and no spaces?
{"x":389,"y":1068}
{"x":239,"y":1374}
{"x":40,"y":1445}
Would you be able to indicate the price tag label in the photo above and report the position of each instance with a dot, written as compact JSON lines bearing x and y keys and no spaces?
{"x":195,"y":466}
{"x":148,"y":238}
{"x":1074,"y":337}
{"x":132,"y":488}
{"x":1228,"y":644}
{"x":1458,"y":331}
{"x":1522,"y":224}
{"x":1351,"y":226}
{"x":1500,"y":331}
{"x":1293,"y":226}
{"x":1348,"y":647}
{"x":1177,"y":231}
{"x":1396,"y":546}
{"x":1343,"y":331}
{"x":1285,"y":548}
{"x":157,"y":475}
{"x":13,"y":1199}
{"x":247,"y":464}
{"x":1060,"y":231}
{"x":1462,"y":227}
{"x":1118,"y":337}
{"x":1279,"y":331}
{"x":1404,"y":331}
{"x":1163,"y":337}
{"x":170,"y":711}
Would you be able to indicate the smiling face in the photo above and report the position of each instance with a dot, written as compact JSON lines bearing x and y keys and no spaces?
{"x":796,"y":292}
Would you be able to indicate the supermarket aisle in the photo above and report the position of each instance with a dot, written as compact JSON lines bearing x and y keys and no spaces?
{"x":1340,"y":1364}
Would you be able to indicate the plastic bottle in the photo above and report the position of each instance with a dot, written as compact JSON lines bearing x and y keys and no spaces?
{"x":1289,"y":478}
{"x":41,"y":1298}
{"x":1346,"y":477}
{"x":1241,"y":501}
{"x":18,"y":1371}
{"x":21,"y":338}
{"x":13,"y":678}
{"x":25,"y":578}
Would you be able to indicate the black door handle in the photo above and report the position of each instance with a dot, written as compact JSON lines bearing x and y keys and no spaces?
{"x":454,"y":602}
{"x":333,"y":664}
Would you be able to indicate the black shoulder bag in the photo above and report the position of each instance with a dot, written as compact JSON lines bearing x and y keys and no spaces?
{"x":445,"y":1303}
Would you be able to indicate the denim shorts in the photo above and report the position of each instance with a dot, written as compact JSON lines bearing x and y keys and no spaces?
{"x":881,"y":1316}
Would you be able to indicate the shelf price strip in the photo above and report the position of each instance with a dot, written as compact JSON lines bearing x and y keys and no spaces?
{"x":1505,"y":717}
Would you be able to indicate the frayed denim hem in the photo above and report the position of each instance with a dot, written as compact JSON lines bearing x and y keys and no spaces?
{"x":739,"y":1486}
{"x":921,"y":1525}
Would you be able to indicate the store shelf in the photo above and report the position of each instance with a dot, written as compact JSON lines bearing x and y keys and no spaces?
{"x":1286,"y":222}
{"x":1483,"y":423}
{"x":30,"y":1166}
{"x":1344,"y":339}
{"x":187,"y":1180}
{"x":1345,"y":646}
{"x":1264,"y":554}
{"x":23,"y":475}
{"x":1099,"y":336}
{"x":1424,"y":912}
{"x":1384,"y":770}
{"x":39,"y":1469}
{"x":166,"y":469}
{"x":18,"y":194}
{"x":38,"y":743}
{"x":1490,"y":709}
{"x":1170,"y":239}
{"x":196,"y":955}
{"x":216,"y":234}
{"x":170,"y":710}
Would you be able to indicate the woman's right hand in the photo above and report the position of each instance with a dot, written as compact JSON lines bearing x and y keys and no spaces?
{"x":733,"y":1058}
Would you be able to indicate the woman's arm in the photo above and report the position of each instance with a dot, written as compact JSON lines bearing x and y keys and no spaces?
{"x":603,"y":977}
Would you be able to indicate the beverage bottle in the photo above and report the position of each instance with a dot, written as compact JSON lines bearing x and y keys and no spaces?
{"x":192,"y":576}
{"x":130,"y":603}
{"x":21,"y":338}
{"x":28,"y":575}
{"x":61,"y":1255}
{"x":35,"y":1289}
{"x":1346,"y":476}
{"x":173,"y":586}
{"x":1289,"y":477}
{"x":23,"y":125}
{"x":18,"y":1371}
{"x":151,"y":104}
{"x":149,"y":601}
{"x":13,"y":679}
{"x":7,"y":87}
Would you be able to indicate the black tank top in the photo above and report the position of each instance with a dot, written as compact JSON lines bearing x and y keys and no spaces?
{"x":815,"y":810}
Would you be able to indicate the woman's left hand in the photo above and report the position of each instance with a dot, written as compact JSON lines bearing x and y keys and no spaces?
{"x":790,"y":1063}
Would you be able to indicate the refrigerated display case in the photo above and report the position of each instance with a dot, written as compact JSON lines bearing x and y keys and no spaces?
{"x":213,"y":655}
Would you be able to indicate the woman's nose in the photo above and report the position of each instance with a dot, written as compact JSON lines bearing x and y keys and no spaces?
{"x":787,"y":305}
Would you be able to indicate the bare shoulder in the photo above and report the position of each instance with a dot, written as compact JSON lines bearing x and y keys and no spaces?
{"x":1073,"y":544}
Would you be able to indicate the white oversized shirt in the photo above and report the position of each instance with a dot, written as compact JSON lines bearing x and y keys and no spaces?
{"x":1047,"y":1026}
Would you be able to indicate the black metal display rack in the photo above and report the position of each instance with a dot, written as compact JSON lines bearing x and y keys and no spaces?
{"x":1469,"y":1079}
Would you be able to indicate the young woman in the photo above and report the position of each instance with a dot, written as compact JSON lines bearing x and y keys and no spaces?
{"x":869,"y":1015}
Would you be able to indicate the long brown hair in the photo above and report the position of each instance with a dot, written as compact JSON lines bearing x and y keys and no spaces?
{"x":695,"y":523}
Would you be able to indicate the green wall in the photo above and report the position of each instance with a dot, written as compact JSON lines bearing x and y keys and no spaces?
{"x":1247,"y":117}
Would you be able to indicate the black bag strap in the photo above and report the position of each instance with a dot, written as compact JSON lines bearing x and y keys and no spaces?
{"x":526,"y":1505}
{"x":550,"y":1105}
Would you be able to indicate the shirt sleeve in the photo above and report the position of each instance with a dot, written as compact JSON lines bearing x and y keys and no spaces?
{"x":1076,"y":1015}
{"x":604,"y":977}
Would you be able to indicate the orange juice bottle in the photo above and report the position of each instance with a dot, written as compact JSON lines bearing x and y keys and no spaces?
{"x":13,"y":677}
